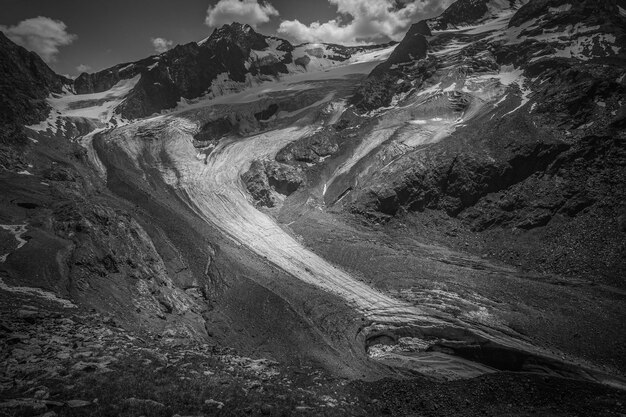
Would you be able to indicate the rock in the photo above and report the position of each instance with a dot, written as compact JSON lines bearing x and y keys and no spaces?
{"x":28,"y":81}
{"x":310,"y":149}
{"x":264,"y":178}
{"x":142,"y":402}
{"x":30,"y":403}
{"x":266,"y":409}
{"x":14,"y":338}
{"x":77,"y":403}
{"x":29,"y":315}
{"x":211,"y":402}
{"x":42,"y":393}
{"x":59,"y":173}
{"x":621,"y":223}
{"x":86,"y":366}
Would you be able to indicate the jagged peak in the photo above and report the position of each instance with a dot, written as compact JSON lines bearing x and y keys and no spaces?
{"x":468,"y":12}
{"x":233,"y":30}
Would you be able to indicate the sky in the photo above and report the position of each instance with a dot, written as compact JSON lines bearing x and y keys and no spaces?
{"x":73,"y":36}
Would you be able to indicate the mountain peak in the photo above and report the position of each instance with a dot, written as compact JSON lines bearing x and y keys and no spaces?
{"x":471,"y":12}
{"x":242,"y":35}
{"x":233,"y":29}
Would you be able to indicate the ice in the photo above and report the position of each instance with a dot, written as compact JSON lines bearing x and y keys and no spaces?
{"x":583,"y":47}
{"x":99,"y":107}
{"x":560,"y":9}
{"x":17,"y":230}
{"x":499,"y":23}
{"x":38,"y":292}
{"x":125,"y":67}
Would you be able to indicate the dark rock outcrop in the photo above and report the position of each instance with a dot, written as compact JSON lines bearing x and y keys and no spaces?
{"x":266,"y":178}
{"x":25,"y":84}
{"x":390,"y":78}
{"x":310,"y":149}
{"x":464,"y":12}
{"x":601,"y":12}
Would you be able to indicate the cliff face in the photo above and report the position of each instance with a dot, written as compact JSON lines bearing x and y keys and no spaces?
{"x":25,"y":84}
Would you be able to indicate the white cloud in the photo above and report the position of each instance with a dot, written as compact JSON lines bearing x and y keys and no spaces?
{"x":161,"y":45}
{"x":41,"y":35}
{"x":243,"y":11}
{"x":364,"y":20}
{"x":83,"y":68}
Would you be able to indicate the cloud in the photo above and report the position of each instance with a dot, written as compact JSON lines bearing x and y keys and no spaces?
{"x":243,"y":11}
{"x":161,"y":45}
{"x":41,"y":35}
{"x":360,"y":21}
{"x":83,"y":68}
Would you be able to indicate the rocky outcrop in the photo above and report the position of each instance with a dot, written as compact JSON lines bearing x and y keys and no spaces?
{"x":454,"y":175}
{"x":311,"y":149}
{"x":25,"y":84}
{"x":603,"y":13}
{"x":265,"y":179}
{"x":592,"y":172}
{"x":413,"y":47}
{"x":469,"y":12}
{"x":390,"y":77}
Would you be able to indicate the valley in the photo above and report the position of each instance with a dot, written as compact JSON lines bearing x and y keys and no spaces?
{"x":440,"y":215}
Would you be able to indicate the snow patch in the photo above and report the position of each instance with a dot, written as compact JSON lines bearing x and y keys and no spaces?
{"x":38,"y":292}
{"x":17,"y":230}
{"x":560,"y":9}
{"x":96,"y":106}
{"x":124,"y":68}
{"x":585,"y":48}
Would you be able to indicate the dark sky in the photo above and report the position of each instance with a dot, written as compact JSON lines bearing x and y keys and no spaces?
{"x":115,"y":31}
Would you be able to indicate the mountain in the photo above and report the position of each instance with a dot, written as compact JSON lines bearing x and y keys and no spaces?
{"x":243,"y":226}
{"x":504,"y":106}
{"x":26,"y":83}
{"x":472,"y":12}
{"x":231,"y":58}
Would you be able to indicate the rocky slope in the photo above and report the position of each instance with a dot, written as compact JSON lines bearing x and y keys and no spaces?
{"x":26,"y":83}
{"x":499,"y":107}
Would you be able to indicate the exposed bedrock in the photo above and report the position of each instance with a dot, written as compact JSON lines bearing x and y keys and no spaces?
{"x":450,"y":178}
{"x":266,"y":179}
{"x":310,"y":149}
{"x":591,"y":172}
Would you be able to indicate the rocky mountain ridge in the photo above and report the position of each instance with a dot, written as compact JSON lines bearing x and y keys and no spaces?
{"x":233,"y":57}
